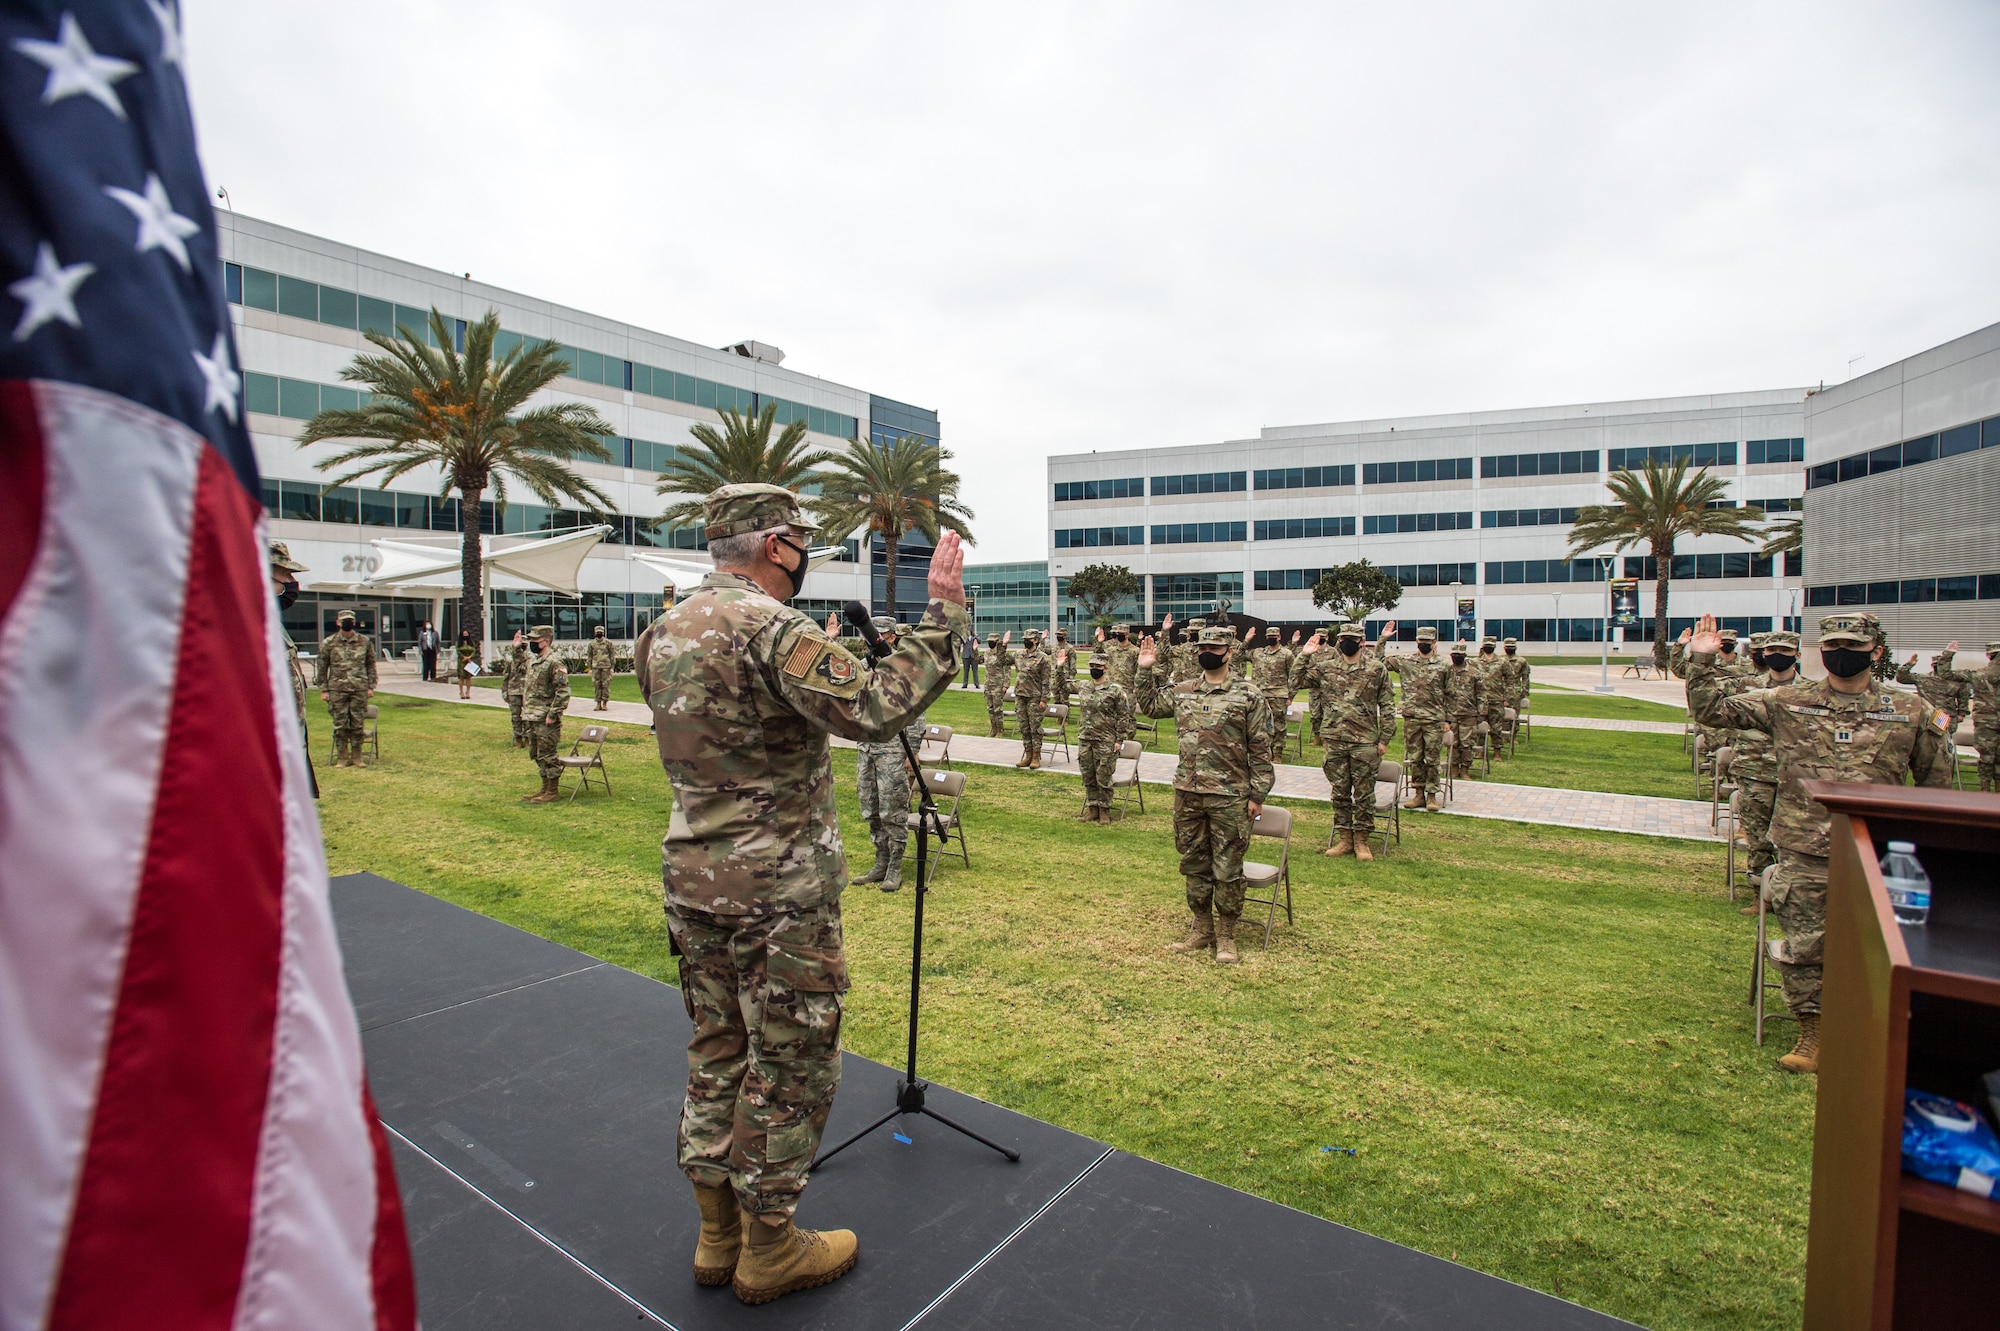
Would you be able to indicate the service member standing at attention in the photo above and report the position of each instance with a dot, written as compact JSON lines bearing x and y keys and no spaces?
{"x":1107,"y":719}
{"x":1062,"y":670}
{"x":1492,"y":697}
{"x":1271,"y":672}
{"x":1985,"y":686}
{"x":1841,"y":728}
{"x":513,"y":683}
{"x":1031,"y":697}
{"x":1515,"y":672}
{"x":1426,"y":708}
{"x":999,"y":663}
{"x":1463,"y":707}
{"x":544,"y":699}
{"x":1358,"y":719}
{"x":1219,"y":788}
{"x":746,"y":690}
{"x":345,"y":677}
{"x":285,"y":583}
{"x":882,"y":781}
{"x":600,"y":658}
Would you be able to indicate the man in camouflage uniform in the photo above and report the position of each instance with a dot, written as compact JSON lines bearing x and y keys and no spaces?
{"x":1942,"y":687}
{"x":1179,"y":652}
{"x":1121,"y":667}
{"x":544,"y":699}
{"x":1032,"y":675}
{"x":600,"y":658}
{"x":1755,"y":769}
{"x":1107,"y":719}
{"x":882,"y":781}
{"x":344,"y":674}
{"x":1219,"y":788}
{"x":1463,"y":705}
{"x":1062,"y":670}
{"x":1492,"y":698}
{"x":1358,"y":719}
{"x":999,"y":663}
{"x":1842,"y":728}
{"x":513,"y":680}
{"x":1271,"y":673}
{"x":1985,"y":686}
{"x":1426,"y":710}
{"x":1513,"y":675}
{"x":746,"y":690}
{"x":285,"y":584}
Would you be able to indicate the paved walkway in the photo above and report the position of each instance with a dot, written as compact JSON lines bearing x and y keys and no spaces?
{"x":1638,"y":814}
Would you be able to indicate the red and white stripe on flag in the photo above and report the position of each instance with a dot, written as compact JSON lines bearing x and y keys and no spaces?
{"x":186,"y":1139}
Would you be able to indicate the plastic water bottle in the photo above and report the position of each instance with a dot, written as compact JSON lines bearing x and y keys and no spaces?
{"x":1909,"y":886}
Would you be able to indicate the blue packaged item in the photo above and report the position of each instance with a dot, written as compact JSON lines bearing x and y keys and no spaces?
{"x":1946,"y":1141}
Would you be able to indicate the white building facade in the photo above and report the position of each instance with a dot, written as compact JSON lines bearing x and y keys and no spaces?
{"x":300,"y":304}
{"x":1470,"y":512}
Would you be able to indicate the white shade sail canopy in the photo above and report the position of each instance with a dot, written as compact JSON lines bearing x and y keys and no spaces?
{"x":684,"y":575}
{"x":407,"y":566}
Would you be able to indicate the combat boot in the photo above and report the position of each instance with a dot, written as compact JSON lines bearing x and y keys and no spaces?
{"x":892,"y":877}
{"x":874,"y":875}
{"x":1416,"y":800}
{"x":780,"y":1259}
{"x":1432,"y":805}
{"x":548,"y":794}
{"x":1035,"y":762}
{"x":1200,"y":934}
{"x":1361,"y":851}
{"x":1344,"y":846}
{"x":1225,"y":940}
{"x":1089,"y":814}
{"x":1805,"y":1054}
{"x":1024,"y":759}
{"x":721,"y":1240}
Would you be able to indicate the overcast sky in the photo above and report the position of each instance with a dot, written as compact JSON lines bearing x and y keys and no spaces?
{"x":1103,"y":226}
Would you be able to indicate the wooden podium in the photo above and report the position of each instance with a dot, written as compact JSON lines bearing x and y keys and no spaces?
{"x":1903,"y":1007}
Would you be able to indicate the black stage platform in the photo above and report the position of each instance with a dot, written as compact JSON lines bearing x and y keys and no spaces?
{"x":531,"y":1093}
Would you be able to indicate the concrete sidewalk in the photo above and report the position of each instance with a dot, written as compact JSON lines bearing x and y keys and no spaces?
{"x":1640,"y":815}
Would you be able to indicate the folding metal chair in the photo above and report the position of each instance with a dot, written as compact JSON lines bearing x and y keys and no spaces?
{"x":1147,"y":726}
{"x":1448,"y":756}
{"x":1735,"y":835}
{"x":1295,"y":728}
{"x":1388,"y":804}
{"x":1720,"y":788}
{"x":1055,"y":727}
{"x":1125,"y":785}
{"x":1768,"y":950}
{"x":936,"y":747}
{"x":1510,"y":727}
{"x":1484,"y":750}
{"x":1524,"y":721}
{"x":371,"y":733}
{"x":576,"y":760}
{"x":1274,"y":878}
{"x":944,"y":786}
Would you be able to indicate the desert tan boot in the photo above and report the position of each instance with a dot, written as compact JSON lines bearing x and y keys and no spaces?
{"x":721,"y":1240}
{"x":1023,"y":762}
{"x":781,"y":1259}
{"x":1416,"y":800}
{"x":1344,"y":846}
{"x":1805,"y":1054}
{"x":1361,"y":851}
{"x":1431,"y":803}
{"x":1225,"y":940}
{"x":548,"y":794}
{"x":1201,"y":933}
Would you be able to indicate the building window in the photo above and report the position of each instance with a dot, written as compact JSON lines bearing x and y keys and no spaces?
{"x":1196,"y":533}
{"x":1130,"y":487}
{"x":1758,"y":452}
{"x":1500,"y":572}
{"x":1426,"y":469}
{"x":1186,"y":594}
{"x":1528,"y":517}
{"x":1079,"y":538}
{"x":1302,"y":529}
{"x":1575,"y":462}
{"x":1389,"y":524}
{"x":1200,"y":483}
{"x":1305,"y":478}
{"x":1665,"y":455}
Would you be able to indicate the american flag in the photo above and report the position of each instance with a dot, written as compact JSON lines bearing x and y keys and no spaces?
{"x":186,"y":1138}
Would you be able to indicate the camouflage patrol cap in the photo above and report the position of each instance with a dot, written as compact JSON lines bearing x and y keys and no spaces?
{"x":732,"y":510}
{"x":344,"y":617}
{"x":1221,"y":635}
{"x":884,"y":623}
{"x":1197,"y":623}
{"x":1727,"y":635}
{"x":1757,"y":641}
{"x":1992,"y":648}
{"x":281,"y":557}
{"x":992,"y":640}
{"x":1786,"y":640}
{"x":547,"y":631}
{"x":1508,"y":642}
{"x":1428,"y":634}
{"x":1273,"y":631}
{"x":1846,"y":631}
{"x":1350,"y":631}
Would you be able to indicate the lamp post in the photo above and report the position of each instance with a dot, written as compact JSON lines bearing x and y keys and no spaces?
{"x":1559,"y":622}
{"x":1604,"y":662}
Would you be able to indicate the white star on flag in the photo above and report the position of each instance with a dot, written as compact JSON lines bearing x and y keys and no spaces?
{"x":223,"y":382}
{"x":49,"y":293}
{"x":167,"y":14}
{"x":75,"y":68}
{"x":160,"y":227}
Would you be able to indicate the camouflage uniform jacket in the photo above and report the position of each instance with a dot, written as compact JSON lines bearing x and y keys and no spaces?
{"x":1943,"y":687}
{"x":298,"y":676}
{"x":1062,"y":673}
{"x":1271,"y":671}
{"x":1426,"y":684}
{"x":515,"y":677}
{"x":1181,"y":666}
{"x":745,"y":690}
{"x":600,"y":655}
{"x":1034,"y":673}
{"x":1466,"y":692}
{"x":1756,"y":758}
{"x":1107,"y":712}
{"x":1511,"y":678}
{"x":1821,"y":735}
{"x":1225,"y":734}
{"x":1985,"y":685}
{"x":1355,"y":702}
{"x":999,"y":660}
{"x":545,"y":692}
{"x":347,"y":666}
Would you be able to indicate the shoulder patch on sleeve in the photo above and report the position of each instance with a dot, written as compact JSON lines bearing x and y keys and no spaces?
{"x":805,"y":654}
{"x":1942,"y":720}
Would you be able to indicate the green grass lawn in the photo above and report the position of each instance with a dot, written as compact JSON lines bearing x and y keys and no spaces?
{"x":1569,"y":702}
{"x":1534,"y":1038}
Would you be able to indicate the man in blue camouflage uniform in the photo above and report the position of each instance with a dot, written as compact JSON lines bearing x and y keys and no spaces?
{"x":882,"y":781}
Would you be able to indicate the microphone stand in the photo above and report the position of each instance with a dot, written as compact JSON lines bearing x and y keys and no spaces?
{"x":910,"y":1090}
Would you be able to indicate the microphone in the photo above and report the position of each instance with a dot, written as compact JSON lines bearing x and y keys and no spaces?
{"x":857,"y":615}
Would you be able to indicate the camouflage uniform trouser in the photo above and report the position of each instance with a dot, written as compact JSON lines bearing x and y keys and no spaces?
{"x":543,"y":741}
{"x":1987,"y":740}
{"x":1211,"y":832}
{"x":1798,"y":894}
{"x":600,"y":682}
{"x":1464,"y":743}
{"x":1350,"y":770}
{"x":764,"y":995}
{"x":1495,"y":723}
{"x":1099,"y":759}
{"x":349,"y":710}
{"x":996,"y":711}
{"x":1028,"y":712}
{"x":1760,"y":798}
{"x":1423,"y":745}
{"x":514,"y":710}
{"x":884,"y":786}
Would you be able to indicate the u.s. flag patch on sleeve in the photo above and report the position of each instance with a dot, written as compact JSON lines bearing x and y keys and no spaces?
{"x":1942,"y":720}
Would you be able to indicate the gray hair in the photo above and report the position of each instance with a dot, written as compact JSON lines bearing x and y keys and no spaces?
{"x":740,"y":550}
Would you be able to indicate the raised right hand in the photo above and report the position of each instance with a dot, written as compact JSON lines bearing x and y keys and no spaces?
{"x":1388,"y":631}
{"x":1147,"y":653}
{"x":1006,"y":637}
{"x":947,"y":575}
{"x":1705,"y":638}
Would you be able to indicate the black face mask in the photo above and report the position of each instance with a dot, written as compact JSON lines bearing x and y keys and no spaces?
{"x":1510,"y":651}
{"x":1424,"y":648}
{"x":1211,"y":660}
{"x":1458,"y":658}
{"x":1348,"y":647}
{"x":1097,"y":672}
{"x":1778,"y":665}
{"x":1757,"y":659}
{"x":288,"y":594}
{"x":796,"y":576}
{"x":1729,"y":649}
{"x":1845,"y":662}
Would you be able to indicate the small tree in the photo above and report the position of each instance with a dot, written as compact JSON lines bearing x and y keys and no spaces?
{"x":741,"y":452}
{"x":1356,"y":591}
{"x":1099,"y":588}
{"x":889,"y":488}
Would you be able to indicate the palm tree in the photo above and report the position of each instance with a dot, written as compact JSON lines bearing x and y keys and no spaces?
{"x":741,"y":452}
{"x":1785,"y":536}
{"x":1659,"y":506}
{"x":428,"y":404}
{"x":889,"y":489}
